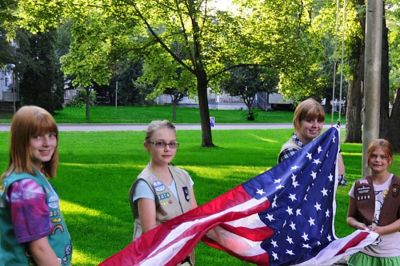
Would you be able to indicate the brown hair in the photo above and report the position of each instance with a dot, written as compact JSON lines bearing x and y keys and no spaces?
{"x":156,"y":125}
{"x":27,"y":122}
{"x":307,"y":110}
{"x":385,"y":145}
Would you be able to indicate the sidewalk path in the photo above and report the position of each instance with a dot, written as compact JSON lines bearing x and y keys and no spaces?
{"x":142,"y":127}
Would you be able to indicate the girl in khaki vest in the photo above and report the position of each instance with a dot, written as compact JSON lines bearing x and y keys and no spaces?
{"x":375,"y":205}
{"x":161,"y":191}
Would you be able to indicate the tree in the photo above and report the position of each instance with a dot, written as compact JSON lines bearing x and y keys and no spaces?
{"x":257,"y":33}
{"x":6,"y":50}
{"x":40,"y":82}
{"x":167,"y":77}
{"x":390,"y":75}
{"x":176,"y":96}
{"x":247,"y":81}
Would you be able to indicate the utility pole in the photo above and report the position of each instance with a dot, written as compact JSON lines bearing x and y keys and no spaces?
{"x":14,"y":86}
{"x":372,"y":76}
{"x":116,"y":94}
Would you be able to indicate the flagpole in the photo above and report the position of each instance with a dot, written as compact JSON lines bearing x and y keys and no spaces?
{"x":372,"y":76}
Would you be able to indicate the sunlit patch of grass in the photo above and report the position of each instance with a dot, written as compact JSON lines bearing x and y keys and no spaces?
{"x":103,"y":165}
{"x":220,"y":172}
{"x":83,"y":258}
{"x":72,"y":208}
{"x":265,"y":139}
{"x":359,"y":154}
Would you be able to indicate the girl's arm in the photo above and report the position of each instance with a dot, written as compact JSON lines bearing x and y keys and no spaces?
{"x":387,"y":229}
{"x":42,"y":253}
{"x":341,"y":168}
{"x":147,"y":213}
{"x":351,"y":221}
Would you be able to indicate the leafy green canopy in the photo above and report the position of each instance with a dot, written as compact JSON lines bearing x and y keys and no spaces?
{"x":256,"y":32}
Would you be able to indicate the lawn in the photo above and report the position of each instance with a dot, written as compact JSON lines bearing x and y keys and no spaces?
{"x":135,"y":114}
{"x":97,"y":168}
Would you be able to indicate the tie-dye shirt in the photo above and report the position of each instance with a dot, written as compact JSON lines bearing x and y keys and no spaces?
{"x":29,"y":212}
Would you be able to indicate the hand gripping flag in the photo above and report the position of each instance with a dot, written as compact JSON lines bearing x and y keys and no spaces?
{"x":284,"y":216}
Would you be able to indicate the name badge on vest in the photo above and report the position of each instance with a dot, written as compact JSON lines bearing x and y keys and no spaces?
{"x":158,"y":186}
{"x":186,"y":193}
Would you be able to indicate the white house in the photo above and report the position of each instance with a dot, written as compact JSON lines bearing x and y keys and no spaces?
{"x":7,"y":82}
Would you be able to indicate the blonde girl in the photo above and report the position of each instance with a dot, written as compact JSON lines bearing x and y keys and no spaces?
{"x":161,"y":191}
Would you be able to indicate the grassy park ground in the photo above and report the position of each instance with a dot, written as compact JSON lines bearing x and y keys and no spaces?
{"x":131,"y":114}
{"x":97,"y":168}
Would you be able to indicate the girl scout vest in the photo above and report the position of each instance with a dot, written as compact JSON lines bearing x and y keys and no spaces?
{"x":365,"y":201}
{"x":167,"y":205}
{"x":13,"y":253}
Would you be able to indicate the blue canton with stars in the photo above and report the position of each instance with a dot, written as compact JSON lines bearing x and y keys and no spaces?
{"x":301,"y":191}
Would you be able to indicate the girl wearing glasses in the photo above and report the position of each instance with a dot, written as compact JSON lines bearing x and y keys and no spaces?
{"x":161,"y":191}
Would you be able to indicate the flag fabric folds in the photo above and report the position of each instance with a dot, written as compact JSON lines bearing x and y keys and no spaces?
{"x":284,"y":216}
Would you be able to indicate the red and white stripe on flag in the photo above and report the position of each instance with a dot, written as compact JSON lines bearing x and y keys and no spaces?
{"x":171,"y":242}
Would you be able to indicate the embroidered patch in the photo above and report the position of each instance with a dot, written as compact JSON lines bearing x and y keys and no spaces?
{"x":53,"y":202}
{"x":363,"y":190}
{"x":364,"y":197}
{"x":395,"y":190}
{"x":186,"y":193}
{"x":158,"y":186}
{"x":164,"y":196}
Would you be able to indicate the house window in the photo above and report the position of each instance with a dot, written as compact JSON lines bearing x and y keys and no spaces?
{"x":6,"y":81}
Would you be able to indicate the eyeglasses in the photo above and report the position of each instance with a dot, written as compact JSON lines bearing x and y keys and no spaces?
{"x":163,"y":145}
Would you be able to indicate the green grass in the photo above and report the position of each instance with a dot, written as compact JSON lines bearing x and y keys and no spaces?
{"x":131,"y":114}
{"x":97,"y":168}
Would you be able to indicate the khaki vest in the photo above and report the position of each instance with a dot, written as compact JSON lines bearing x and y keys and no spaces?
{"x":167,"y":205}
{"x":364,"y":196}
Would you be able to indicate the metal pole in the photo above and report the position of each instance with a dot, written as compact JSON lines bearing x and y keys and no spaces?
{"x":334,"y":60}
{"x":372,"y":75}
{"x":116,"y":94}
{"x":341,"y":61}
{"x":12,"y":66}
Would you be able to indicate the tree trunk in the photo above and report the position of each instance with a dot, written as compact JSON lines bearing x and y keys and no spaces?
{"x":394,"y":123}
{"x":174,"y":111}
{"x":354,"y":98}
{"x":203,"y":108}
{"x":328,"y":98}
{"x":384,"y":106}
{"x":87,"y":103}
{"x":355,"y":92}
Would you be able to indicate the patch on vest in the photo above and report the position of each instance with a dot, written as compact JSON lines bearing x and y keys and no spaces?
{"x":2,"y":203}
{"x":164,"y":196}
{"x":395,"y":190}
{"x":363,"y":190}
{"x":363,"y":193}
{"x":186,"y":193}
{"x":158,"y":186}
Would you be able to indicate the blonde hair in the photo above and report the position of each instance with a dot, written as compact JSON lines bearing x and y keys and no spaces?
{"x":308,"y":109}
{"x":385,"y":145}
{"x":27,"y":122}
{"x":156,"y":125}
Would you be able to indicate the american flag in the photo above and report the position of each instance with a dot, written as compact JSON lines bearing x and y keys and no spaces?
{"x":284,"y":216}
